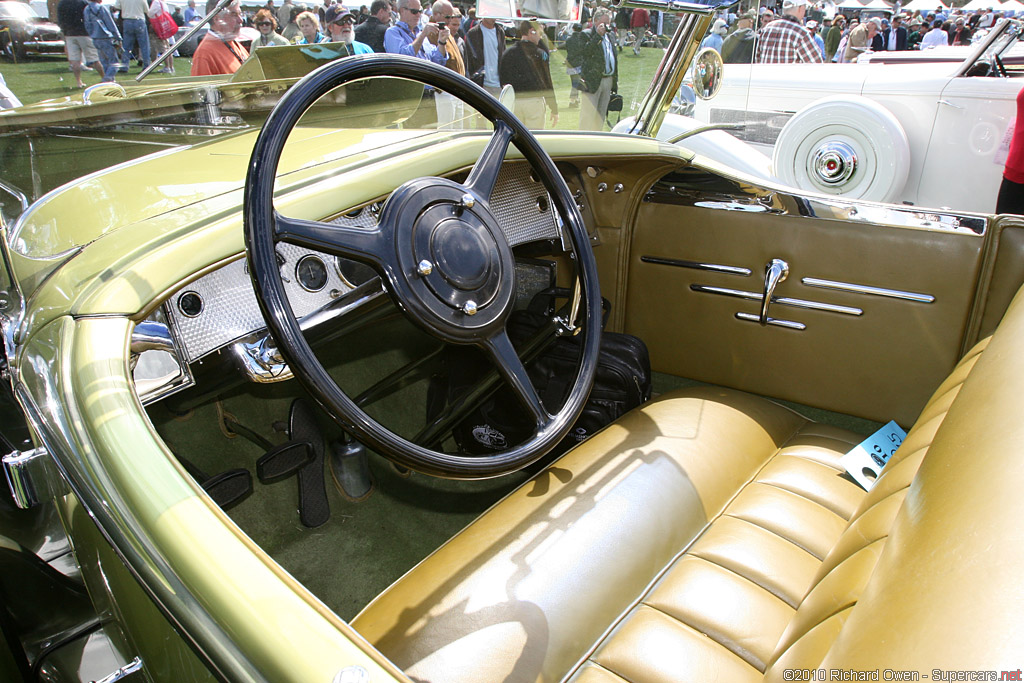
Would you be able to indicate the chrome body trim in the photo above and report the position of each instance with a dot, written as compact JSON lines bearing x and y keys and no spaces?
{"x":260,"y":359}
{"x":74,"y":455}
{"x":867,"y":289}
{"x":697,"y":265}
{"x":151,"y":335}
{"x":705,"y":189}
{"x":775,"y":322}
{"x":32,"y":477}
{"x":125,"y":671}
{"x":818,"y":306}
{"x":12,"y":311}
{"x":105,"y":85}
{"x":782,"y":300}
{"x":16,"y":193}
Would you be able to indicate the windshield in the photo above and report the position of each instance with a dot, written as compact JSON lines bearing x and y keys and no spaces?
{"x":52,"y":141}
{"x":17,"y":10}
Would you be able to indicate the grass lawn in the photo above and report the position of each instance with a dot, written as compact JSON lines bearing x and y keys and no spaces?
{"x":635,"y":76}
{"x":43,"y":78}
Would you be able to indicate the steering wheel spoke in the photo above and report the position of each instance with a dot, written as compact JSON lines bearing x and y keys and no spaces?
{"x":484,"y":175}
{"x":511,"y":367}
{"x":359,"y":243}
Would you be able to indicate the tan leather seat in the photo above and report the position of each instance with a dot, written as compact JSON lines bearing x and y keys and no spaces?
{"x":711,"y":536}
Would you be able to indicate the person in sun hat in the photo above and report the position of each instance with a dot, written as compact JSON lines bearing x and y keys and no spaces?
{"x":716,"y":36}
{"x":785,"y":40}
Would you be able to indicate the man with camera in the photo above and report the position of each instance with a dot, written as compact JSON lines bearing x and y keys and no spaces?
{"x":525,"y":66}
{"x":599,"y":72}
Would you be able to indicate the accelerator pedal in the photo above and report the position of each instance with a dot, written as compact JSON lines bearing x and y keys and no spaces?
{"x":314,"y":508}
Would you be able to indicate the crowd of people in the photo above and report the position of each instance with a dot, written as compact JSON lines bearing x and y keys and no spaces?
{"x":104,"y":36}
{"x":800,"y":31}
{"x":109,"y":37}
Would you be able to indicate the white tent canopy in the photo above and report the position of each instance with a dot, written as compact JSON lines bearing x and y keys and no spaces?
{"x":981,"y":4}
{"x":865,"y":4}
{"x":1010,"y":6}
{"x":925,"y":5}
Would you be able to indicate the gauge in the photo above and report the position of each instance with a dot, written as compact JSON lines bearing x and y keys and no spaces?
{"x":354,"y":273}
{"x":190,"y":304}
{"x":311,"y":273}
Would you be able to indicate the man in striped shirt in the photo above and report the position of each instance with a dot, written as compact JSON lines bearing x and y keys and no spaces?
{"x":785,"y":40}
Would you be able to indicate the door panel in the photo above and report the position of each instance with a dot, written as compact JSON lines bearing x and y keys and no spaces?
{"x":865,"y":353}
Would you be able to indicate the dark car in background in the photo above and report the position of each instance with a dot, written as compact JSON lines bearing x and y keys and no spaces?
{"x":23,"y":32}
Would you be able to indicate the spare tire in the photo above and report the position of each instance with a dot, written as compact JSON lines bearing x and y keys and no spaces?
{"x":846,"y":145}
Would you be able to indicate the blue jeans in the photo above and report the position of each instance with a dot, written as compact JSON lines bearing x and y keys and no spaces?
{"x":108,"y":57}
{"x":135,"y":32}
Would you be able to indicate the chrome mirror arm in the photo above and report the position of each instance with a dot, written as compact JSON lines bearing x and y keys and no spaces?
{"x":188,"y":34}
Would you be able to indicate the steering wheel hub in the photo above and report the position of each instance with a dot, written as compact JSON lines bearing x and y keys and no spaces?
{"x":469,"y":284}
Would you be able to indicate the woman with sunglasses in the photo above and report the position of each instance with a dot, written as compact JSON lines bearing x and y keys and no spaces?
{"x":266,"y":24}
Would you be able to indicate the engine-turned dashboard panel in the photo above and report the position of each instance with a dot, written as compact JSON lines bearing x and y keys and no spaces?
{"x":220,"y":307}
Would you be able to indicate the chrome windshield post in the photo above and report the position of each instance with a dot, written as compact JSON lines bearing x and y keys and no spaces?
{"x":693,"y":24}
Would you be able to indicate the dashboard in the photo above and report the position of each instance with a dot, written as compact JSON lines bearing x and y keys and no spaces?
{"x":218,"y":311}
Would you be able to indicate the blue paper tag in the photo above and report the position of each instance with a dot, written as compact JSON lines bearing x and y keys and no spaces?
{"x":865,"y":462}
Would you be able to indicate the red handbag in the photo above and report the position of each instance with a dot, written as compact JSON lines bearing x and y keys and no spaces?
{"x":163,"y":25}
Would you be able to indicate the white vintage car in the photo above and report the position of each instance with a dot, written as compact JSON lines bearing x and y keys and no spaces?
{"x":924,"y":129}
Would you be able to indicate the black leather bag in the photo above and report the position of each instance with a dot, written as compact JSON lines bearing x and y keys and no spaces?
{"x":622,"y":382}
{"x":615,"y":102}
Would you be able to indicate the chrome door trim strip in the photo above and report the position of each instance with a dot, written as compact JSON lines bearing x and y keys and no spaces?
{"x":868,"y":289}
{"x":782,"y":301}
{"x":788,"y":324}
{"x":818,"y":306}
{"x":697,"y":265}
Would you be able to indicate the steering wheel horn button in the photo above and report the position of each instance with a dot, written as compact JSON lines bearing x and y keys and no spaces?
{"x":462,"y":253}
{"x":456,"y":271}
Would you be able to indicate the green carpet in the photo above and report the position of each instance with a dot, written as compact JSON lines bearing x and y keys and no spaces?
{"x":366,"y":545}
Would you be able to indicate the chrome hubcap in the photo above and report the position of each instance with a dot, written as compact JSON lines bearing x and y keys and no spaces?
{"x":834,"y":163}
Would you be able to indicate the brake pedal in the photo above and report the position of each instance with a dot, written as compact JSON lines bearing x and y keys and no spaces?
{"x":229,"y":488}
{"x":283,"y":461}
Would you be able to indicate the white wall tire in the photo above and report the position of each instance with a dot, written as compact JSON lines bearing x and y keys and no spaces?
{"x":844,"y":145}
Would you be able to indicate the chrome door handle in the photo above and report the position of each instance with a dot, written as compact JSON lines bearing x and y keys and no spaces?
{"x":775,"y":271}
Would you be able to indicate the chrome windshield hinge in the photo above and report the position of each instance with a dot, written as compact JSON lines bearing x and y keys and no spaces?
{"x":125,"y":671}
{"x":33,"y":477}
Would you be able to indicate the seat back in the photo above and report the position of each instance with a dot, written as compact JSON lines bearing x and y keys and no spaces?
{"x":927,"y":574}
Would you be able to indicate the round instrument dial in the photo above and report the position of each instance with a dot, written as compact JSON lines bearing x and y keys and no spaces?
{"x":311,"y":272}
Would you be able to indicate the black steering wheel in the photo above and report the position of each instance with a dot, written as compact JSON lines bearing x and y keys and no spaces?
{"x":443,"y":257}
